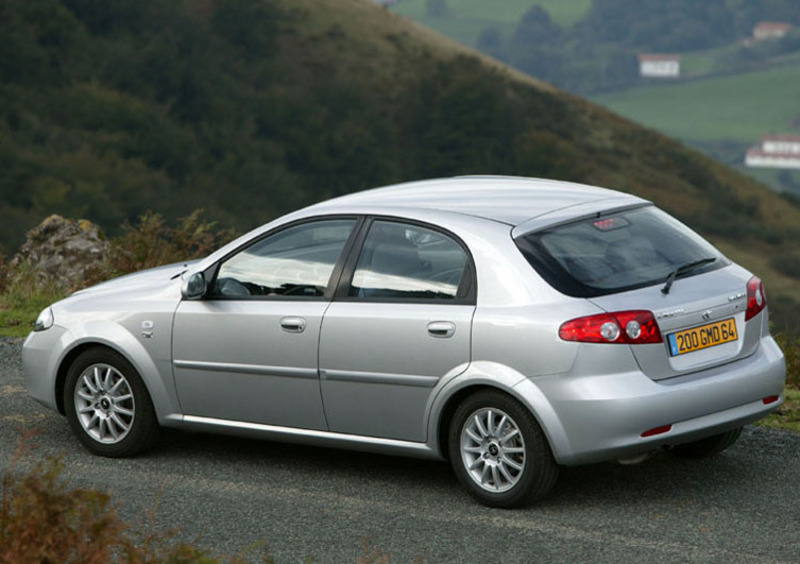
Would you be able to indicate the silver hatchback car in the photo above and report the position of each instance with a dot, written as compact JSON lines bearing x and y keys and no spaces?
{"x":509,"y":325}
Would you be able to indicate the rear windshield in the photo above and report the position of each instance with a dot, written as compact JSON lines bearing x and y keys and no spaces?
{"x":615,"y":252}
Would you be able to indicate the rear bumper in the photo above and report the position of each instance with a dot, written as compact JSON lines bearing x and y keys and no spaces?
{"x":602,"y":417}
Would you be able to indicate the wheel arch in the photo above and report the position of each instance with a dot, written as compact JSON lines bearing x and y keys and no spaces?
{"x":449,"y":409}
{"x":164,"y":402}
{"x":505,"y":380}
{"x":64,"y":366}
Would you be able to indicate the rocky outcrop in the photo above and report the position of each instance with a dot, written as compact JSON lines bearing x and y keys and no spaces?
{"x":65,"y":251}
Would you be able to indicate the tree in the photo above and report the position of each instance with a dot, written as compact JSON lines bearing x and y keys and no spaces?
{"x":536,"y":29}
{"x":436,"y":8}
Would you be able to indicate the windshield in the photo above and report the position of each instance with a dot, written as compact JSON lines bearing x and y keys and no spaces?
{"x":618,"y":251}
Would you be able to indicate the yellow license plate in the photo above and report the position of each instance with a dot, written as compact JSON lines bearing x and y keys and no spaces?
{"x":702,"y":337}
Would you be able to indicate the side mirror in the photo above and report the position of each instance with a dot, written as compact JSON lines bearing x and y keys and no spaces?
{"x":194,"y":287}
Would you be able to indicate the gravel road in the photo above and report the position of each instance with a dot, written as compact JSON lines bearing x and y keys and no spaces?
{"x":742,"y":506}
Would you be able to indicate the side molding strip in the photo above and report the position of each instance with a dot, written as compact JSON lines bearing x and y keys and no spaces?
{"x":285,"y":371}
{"x":379,"y":378}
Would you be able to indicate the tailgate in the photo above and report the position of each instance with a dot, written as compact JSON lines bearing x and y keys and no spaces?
{"x":701,"y":320}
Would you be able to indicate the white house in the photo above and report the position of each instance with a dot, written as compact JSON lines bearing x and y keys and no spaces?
{"x":770,"y":30}
{"x":659,"y":66}
{"x":775,"y":151}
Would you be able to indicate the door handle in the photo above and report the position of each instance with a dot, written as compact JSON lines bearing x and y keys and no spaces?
{"x":441,"y":329}
{"x":293,"y":324}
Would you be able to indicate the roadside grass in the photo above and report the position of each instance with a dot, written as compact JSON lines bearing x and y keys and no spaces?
{"x":22,"y":296}
{"x":787,"y":416}
{"x":741,"y":107}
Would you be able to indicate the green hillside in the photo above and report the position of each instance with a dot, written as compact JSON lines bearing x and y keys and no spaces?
{"x":741,"y":107}
{"x":250,"y":108}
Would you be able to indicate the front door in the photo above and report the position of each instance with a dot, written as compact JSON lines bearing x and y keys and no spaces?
{"x":248,"y":350}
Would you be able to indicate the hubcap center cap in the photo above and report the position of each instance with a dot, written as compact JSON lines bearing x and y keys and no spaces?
{"x":493,"y":449}
{"x":105,"y":404}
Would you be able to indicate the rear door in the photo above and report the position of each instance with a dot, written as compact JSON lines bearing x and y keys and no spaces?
{"x":401,"y":322}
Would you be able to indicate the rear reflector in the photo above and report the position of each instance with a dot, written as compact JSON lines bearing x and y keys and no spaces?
{"x":770,"y":399}
{"x":635,"y":327}
{"x":657,"y":431}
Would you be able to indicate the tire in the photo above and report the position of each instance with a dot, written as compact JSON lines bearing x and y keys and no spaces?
{"x":107,"y":405}
{"x":708,"y":446}
{"x":499,"y":452}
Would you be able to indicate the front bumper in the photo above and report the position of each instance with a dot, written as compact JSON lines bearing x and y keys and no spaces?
{"x":40,"y":356}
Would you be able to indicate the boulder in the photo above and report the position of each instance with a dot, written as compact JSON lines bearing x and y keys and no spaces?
{"x":65,"y":251}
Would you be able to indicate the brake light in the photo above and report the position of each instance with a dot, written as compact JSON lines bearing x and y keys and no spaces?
{"x":756,"y":298}
{"x":635,"y":327}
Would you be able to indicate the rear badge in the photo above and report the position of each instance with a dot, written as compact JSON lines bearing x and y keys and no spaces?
{"x":672,"y":313}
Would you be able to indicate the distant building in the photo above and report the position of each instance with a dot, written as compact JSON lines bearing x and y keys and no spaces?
{"x":659,"y":66}
{"x":775,"y":151}
{"x":770,"y":30}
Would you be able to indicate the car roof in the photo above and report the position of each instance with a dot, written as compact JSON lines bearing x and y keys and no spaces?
{"x":505,"y":199}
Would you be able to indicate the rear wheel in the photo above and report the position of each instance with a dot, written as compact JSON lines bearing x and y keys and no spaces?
{"x":708,"y":446}
{"x":107,"y":404}
{"x":499,"y":452}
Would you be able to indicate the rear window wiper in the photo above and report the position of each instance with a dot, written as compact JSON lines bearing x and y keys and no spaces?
{"x":682,"y":269}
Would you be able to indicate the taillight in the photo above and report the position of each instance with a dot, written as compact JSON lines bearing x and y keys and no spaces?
{"x":756,"y":298}
{"x":636,"y":327}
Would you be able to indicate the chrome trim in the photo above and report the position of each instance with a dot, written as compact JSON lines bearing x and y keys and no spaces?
{"x":309,"y":436}
{"x":672,"y":313}
{"x":285,"y":371}
{"x":379,"y":378}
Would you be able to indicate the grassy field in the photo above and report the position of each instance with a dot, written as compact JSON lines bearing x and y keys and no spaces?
{"x":740,"y":107}
{"x":467,"y":18}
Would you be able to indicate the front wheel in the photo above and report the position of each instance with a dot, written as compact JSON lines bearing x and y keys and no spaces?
{"x":499,"y":452}
{"x":107,"y":404}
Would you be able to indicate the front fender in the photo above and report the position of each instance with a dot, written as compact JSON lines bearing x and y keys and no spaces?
{"x":152,"y":362}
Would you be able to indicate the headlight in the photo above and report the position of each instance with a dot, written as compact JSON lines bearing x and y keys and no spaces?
{"x":44,"y":321}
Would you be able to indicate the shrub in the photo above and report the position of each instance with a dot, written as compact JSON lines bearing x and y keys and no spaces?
{"x":791,"y":351}
{"x":152,"y":243}
{"x":788,"y":264}
{"x":3,"y":271}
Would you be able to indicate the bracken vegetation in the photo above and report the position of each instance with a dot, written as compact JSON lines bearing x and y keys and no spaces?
{"x":43,"y":520}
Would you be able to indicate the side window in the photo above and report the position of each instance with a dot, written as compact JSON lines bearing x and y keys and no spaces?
{"x":297,"y":261}
{"x":408,"y":262}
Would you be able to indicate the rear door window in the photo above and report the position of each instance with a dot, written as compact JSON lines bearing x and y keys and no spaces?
{"x":406,"y":262}
{"x":616,"y":252}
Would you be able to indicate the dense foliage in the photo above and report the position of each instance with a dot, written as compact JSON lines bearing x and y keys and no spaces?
{"x":115,"y":108}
